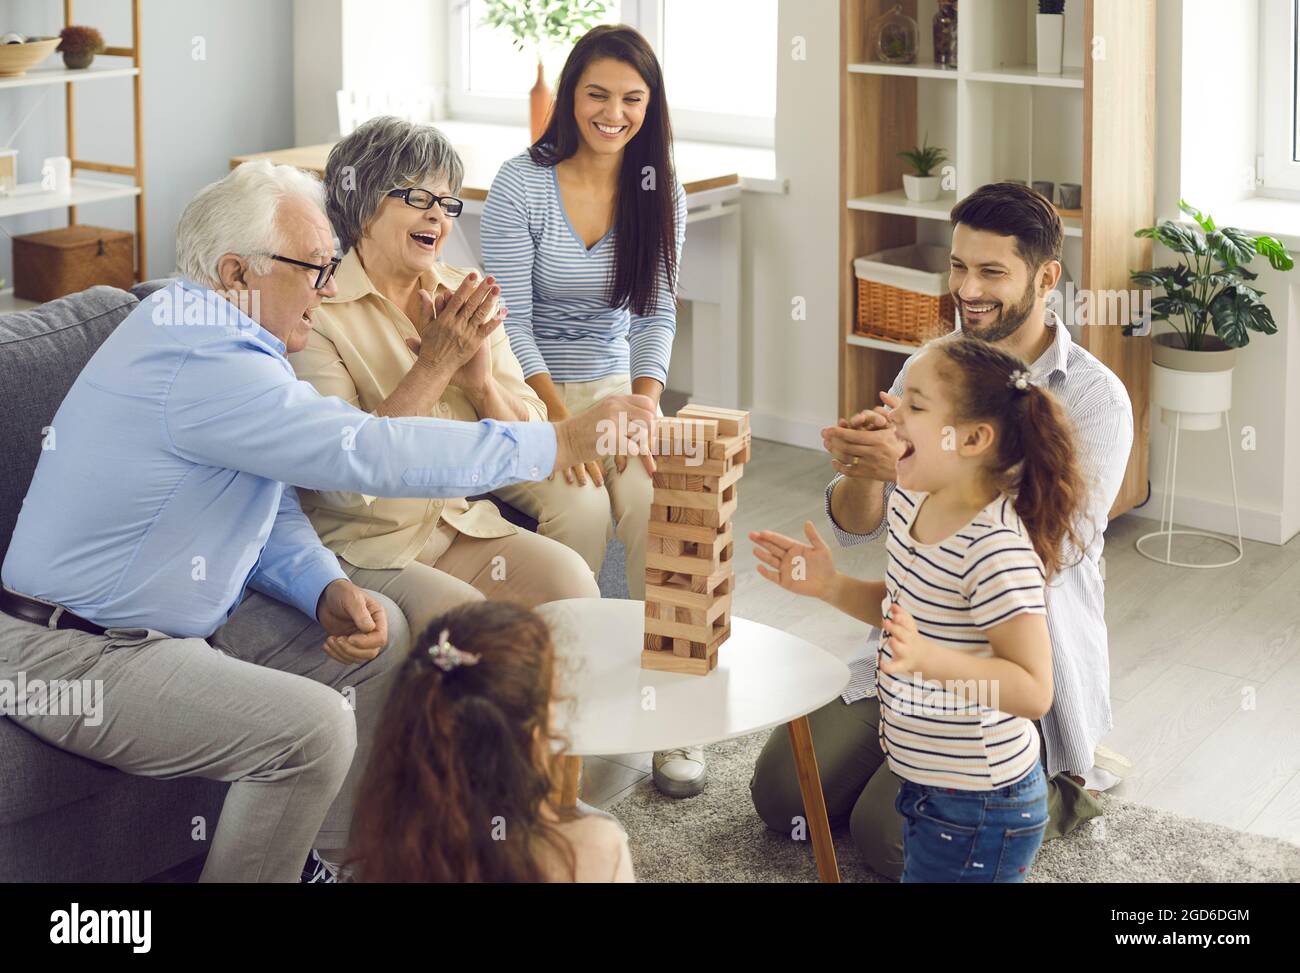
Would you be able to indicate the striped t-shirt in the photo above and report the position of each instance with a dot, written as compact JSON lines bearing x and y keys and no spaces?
{"x":984,"y":574}
{"x":557,"y":290}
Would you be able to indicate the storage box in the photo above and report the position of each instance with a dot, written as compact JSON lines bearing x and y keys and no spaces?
{"x":53,"y":263}
{"x":903,"y":294}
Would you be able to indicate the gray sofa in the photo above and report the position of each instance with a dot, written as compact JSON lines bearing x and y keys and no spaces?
{"x":64,"y":818}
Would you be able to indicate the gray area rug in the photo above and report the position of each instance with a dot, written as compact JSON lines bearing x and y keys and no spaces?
{"x":717,"y":837}
{"x":613,"y":572}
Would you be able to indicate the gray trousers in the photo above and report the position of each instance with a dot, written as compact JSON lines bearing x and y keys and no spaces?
{"x":859,"y":785}
{"x":258,"y":704}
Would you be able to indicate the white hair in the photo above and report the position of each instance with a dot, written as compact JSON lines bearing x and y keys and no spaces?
{"x":237,"y":214}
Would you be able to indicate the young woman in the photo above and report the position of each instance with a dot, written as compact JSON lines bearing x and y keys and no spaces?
{"x":460,"y":785}
{"x":583,"y":232}
{"x":988,"y":490}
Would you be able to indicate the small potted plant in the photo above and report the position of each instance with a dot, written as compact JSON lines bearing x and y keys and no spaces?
{"x":923,"y":187}
{"x":537,"y":25}
{"x":1050,"y":35}
{"x":1211,"y":303}
{"x":80,"y":45}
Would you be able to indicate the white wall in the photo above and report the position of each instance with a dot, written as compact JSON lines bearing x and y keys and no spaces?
{"x":197,"y":113}
{"x":791,"y":242}
{"x":1205,"y":146}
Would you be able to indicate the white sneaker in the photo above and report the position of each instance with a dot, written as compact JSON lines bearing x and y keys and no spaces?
{"x":680,"y":772}
{"x":1108,"y":760}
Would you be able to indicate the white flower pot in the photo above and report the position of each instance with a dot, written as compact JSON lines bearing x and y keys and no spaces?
{"x":1051,"y":33}
{"x":922,"y":189}
{"x":1196,"y":383}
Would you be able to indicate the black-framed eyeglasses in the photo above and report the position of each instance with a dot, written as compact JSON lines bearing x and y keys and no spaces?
{"x":423,"y":199}
{"x":324,"y":272}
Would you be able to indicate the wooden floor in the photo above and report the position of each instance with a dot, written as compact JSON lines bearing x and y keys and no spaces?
{"x":1205,"y":665}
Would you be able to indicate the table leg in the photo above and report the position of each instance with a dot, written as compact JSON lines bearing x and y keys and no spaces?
{"x":814,"y":801}
{"x":570,"y":775}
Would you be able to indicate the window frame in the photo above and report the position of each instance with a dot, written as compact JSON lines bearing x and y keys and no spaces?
{"x":647,"y":16}
{"x":1279,"y":174}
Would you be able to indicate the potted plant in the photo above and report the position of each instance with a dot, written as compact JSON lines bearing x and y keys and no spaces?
{"x":1050,"y":35}
{"x":535,"y":25}
{"x":80,"y":45}
{"x":1211,"y":303}
{"x":923,"y":187}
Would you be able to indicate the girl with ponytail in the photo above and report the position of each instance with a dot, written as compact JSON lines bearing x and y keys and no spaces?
{"x":988,"y":490}
{"x":461,"y":781}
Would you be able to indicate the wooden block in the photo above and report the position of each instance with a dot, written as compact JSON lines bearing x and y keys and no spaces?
{"x":682,"y":648}
{"x":731,"y":422}
{"x":705,"y":466}
{"x":667,"y":662}
{"x":711,"y":604}
{"x":677,"y":437}
{"x":687,"y":532}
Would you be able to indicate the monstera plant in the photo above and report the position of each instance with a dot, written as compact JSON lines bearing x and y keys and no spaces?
{"x":1211,"y":301}
{"x":1210,"y":291}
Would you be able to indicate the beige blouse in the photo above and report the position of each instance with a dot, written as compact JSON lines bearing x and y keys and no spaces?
{"x":357,"y":351}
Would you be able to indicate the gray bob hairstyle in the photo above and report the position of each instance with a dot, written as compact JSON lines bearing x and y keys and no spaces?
{"x":383,"y":154}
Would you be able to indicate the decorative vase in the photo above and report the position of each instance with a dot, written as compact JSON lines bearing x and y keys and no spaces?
{"x":895,"y":36}
{"x":1196,"y":383}
{"x":539,"y":104}
{"x":80,"y":59}
{"x":922,"y":189}
{"x":1051,"y":35}
{"x":945,"y":35}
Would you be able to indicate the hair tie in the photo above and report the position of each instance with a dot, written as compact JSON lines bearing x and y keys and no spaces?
{"x":1019,"y":381}
{"x":447,"y":657}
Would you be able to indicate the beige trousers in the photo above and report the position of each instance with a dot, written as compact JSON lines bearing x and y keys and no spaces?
{"x":579,"y":516}
{"x":455,"y":568}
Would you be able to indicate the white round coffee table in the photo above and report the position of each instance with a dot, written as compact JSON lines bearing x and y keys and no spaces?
{"x":764,"y":677}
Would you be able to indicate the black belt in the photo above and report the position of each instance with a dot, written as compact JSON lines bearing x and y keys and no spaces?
{"x":37,"y":612}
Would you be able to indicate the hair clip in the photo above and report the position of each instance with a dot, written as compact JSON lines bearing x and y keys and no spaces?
{"x":1019,"y":380}
{"x":447,"y":657}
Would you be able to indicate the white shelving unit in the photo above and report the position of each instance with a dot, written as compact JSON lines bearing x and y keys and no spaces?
{"x":32,"y":197}
{"x":63,"y":75}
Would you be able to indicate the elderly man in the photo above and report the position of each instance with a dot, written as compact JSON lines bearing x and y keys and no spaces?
{"x":171,"y":491}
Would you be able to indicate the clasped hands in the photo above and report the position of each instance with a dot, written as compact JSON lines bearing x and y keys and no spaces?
{"x":453,"y":329}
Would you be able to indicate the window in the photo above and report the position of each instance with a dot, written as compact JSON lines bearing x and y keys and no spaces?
{"x":719,"y":60}
{"x":1279,"y":85}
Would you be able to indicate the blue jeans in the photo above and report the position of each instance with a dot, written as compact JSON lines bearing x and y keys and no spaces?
{"x":952,"y":835}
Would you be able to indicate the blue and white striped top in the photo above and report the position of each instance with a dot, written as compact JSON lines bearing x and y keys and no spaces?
{"x":1097,"y":402}
{"x":953,"y":734}
{"x":558,"y":291}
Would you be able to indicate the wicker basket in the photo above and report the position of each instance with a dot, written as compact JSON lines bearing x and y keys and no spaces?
{"x":903,"y":294}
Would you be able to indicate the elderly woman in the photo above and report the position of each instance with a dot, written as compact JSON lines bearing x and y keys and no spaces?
{"x":379,"y":344}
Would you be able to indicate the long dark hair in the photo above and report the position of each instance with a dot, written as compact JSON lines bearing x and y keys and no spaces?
{"x":1035,"y":460}
{"x":455,"y":787}
{"x":645,"y":223}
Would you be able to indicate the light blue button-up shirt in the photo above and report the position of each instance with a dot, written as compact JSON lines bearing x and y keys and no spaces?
{"x":166,"y":482}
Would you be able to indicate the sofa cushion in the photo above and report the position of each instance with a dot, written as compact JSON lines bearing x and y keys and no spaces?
{"x":141,"y":291}
{"x":41,"y":352}
{"x":39,"y":777}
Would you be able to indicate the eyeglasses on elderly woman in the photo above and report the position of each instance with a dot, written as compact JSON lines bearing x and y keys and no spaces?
{"x":423,"y":199}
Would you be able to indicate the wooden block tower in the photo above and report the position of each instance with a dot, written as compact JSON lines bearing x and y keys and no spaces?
{"x":699,"y":456}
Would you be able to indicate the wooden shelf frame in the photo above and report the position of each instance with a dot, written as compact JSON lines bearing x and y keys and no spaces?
{"x":136,"y":170}
{"x":1116,"y":152}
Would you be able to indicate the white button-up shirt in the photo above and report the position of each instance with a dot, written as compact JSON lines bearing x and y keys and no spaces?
{"x":1098,"y":403}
